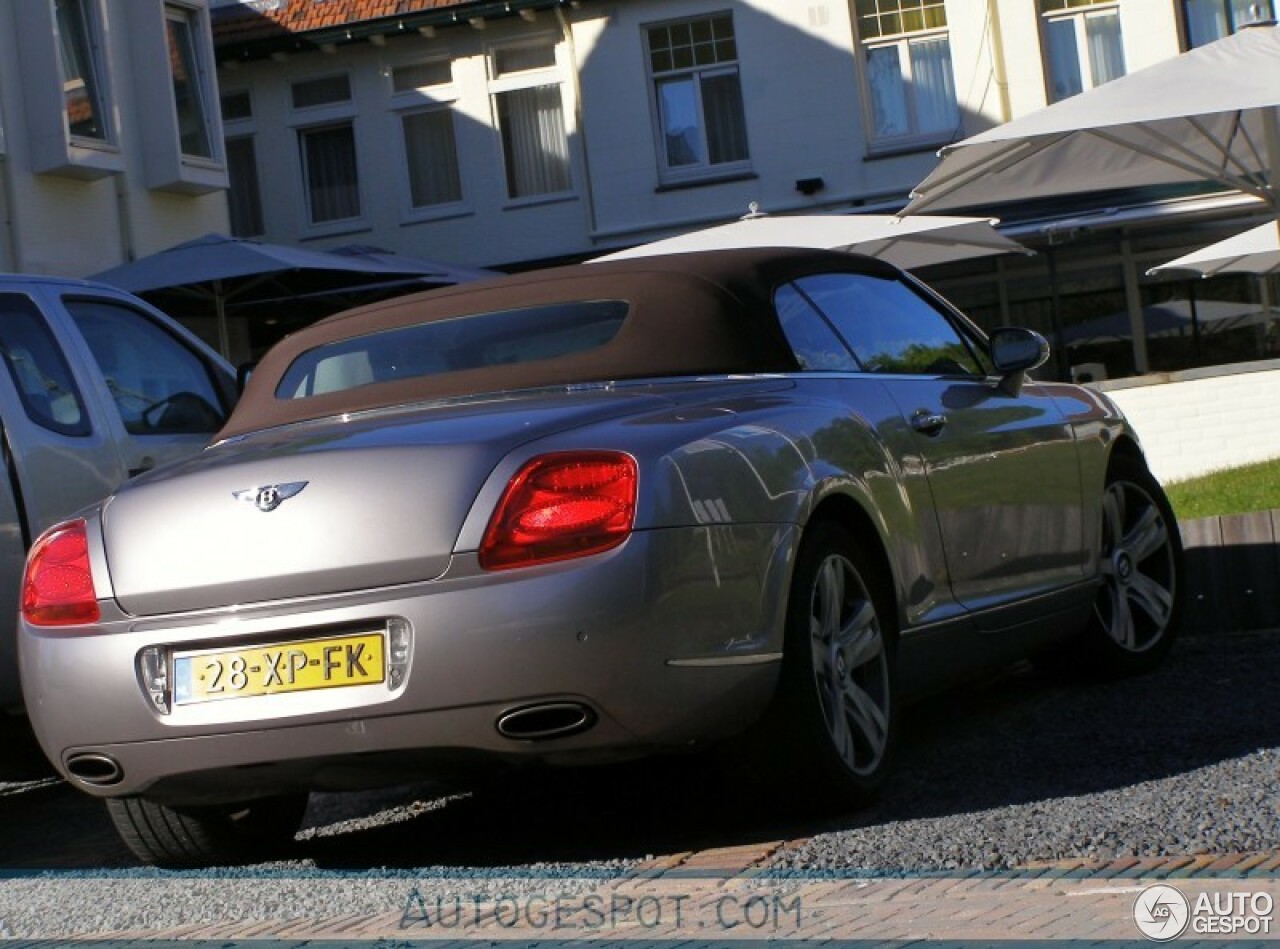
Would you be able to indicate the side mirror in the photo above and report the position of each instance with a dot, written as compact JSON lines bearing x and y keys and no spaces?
{"x":1015,"y":352}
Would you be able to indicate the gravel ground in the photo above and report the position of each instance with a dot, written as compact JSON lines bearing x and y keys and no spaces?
{"x":1183,"y":761}
{"x":1022,"y":768}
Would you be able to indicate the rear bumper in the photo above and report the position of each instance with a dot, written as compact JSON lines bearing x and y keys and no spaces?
{"x":669,"y":639}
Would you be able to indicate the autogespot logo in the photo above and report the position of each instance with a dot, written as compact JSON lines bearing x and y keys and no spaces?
{"x":1161,"y":912}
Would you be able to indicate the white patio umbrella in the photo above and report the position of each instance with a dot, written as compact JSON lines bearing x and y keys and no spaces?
{"x":1209,"y":114}
{"x":1256,"y":251}
{"x":905,"y":242}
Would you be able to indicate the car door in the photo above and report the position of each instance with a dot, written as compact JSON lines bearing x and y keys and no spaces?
{"x":60,"y":450}
{"x":169,"y":395}
{"x":1001,"y":466}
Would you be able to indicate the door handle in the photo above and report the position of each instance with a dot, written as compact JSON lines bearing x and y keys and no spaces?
{"x":927,"y":423}
{"x":146,"y":463}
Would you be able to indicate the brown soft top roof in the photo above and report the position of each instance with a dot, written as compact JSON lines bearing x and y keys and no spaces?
{"x":706,"y":313}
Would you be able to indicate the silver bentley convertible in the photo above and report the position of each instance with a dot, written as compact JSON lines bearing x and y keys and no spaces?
{"x":581,"y":514}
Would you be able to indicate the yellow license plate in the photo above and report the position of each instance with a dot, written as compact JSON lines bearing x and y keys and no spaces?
{"x":213,"y":675}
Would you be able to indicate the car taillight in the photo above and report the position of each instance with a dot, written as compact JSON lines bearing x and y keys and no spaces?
{"x":568,"y":504}
{"x":57,"y":586}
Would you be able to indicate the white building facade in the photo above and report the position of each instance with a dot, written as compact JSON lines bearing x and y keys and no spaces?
{"x":111,"y":142}
{"x":523,"y":132}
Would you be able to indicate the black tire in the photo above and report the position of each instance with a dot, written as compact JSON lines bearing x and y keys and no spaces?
{"x":1138,"y":610}
{"x":834,"y":719}
{"x":224,"y":834}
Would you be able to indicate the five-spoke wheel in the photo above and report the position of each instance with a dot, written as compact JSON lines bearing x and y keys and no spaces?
{"x":836,"y":703}
{"x":850,"y":664}
{"x":1139,"y":603}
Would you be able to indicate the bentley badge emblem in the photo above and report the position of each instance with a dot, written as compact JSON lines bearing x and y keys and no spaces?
{"x":269,"y":496}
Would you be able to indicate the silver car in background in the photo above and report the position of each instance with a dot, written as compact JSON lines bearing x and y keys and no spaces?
{"x":581,"y":514}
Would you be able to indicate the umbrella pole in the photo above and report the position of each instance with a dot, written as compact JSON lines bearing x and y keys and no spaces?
{"x":1195,"y":319}
{"x":1271,"y":137}
{"x":220,"y":308}
{"x":1055,"y":316}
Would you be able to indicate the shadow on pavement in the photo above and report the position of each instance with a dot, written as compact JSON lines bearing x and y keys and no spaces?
{"x":1015,"y":739}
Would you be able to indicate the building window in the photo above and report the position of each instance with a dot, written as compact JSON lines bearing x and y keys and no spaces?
{"x":698,"y":95}
{"x":1209,"y":20}
{"x":190,"y":88}
{"x":421,"y":95}
{"x":327,"y":90}
{"x":236,"y":106}
{"x":416,"y":76}
{"x":529,"y":111}
{"x":244,"y":197}
{"x":910,"y":83}
{"x":329,"y":172}
{"x":431,"y":156}
{"x":1082,"y":45}
{"x":81,"y":70}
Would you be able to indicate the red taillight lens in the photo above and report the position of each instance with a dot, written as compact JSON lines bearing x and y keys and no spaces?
{"x":57,"y":587}
{"x":559,"y":506}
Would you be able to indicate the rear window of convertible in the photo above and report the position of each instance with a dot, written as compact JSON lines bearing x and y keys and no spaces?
{"x":475,"y":341}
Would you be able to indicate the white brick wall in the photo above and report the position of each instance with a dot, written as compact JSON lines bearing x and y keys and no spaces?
{"x":1202,"y":420}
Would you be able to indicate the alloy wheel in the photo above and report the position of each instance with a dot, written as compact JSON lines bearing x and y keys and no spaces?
{"x":850,"y":665}
{"x":1136,"y":603}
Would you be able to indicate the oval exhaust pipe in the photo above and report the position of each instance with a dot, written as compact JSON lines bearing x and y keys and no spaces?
{"x":547,"y":720}
{"x":96,"y":769}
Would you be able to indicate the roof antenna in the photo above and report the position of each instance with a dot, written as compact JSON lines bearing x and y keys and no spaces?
{"x":753,"y":212}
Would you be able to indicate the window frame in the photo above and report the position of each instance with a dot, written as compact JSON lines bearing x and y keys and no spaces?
{"x":310,"y":119}
{"x":440,"y":209}
{"x":329,"y":225}
{"x":297,"y":81}
{"x":427,"y":349}
{"x":519,"y":80}
{"x":816,"y":318}
{"x":1078,"y":16}
{"x":1232,"y":26}
{"x":36,"y":318}
{"x":967,"y":332}
{"x":223,"y":399}
{"x":253,"y":199}
{"x":914,"y":139}
{"x":433,"y":97}
{"x":705,"y":169}
{"x":44,"y":125}
{"x":241,"y":128}
{"x":96,"y":52}
{"x":204,"y":83}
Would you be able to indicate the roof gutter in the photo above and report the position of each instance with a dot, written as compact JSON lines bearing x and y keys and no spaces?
{"x":402,"y":24}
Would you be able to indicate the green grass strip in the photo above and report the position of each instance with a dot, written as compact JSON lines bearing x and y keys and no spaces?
{"x":1232,"y":491}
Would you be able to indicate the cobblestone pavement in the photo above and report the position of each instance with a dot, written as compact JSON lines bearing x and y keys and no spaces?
{"x":722,"y":896}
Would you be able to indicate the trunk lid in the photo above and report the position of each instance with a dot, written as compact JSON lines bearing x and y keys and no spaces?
{"x":327,"y":506}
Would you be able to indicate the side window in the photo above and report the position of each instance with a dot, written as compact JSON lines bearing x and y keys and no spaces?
{"x":814,"y":342}
{"x":38,"y":368}
{"x":160,"y":387}
{"x":890,"y":327}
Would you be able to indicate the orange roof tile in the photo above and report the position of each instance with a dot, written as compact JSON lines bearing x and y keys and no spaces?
{"x":268,"y":19}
